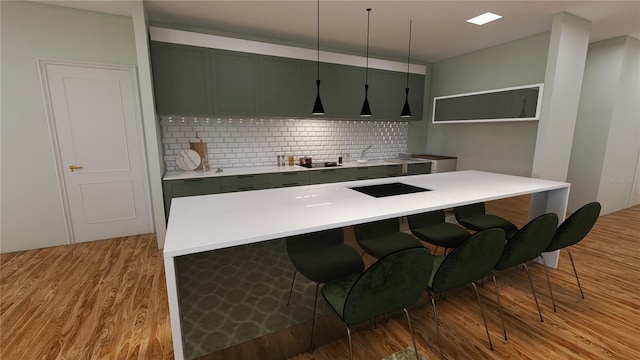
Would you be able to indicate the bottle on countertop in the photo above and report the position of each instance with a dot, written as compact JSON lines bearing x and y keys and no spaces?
{"x":291,"y":158}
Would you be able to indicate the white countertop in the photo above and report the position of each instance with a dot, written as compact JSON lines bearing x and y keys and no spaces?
{"x":181,"y":175}
{"x":210,"y":222}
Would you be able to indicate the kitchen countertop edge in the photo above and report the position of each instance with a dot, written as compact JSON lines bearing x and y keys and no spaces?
{"x":254,"y":170}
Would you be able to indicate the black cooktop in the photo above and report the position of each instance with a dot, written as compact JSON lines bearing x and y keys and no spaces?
{"x":390,"y":189}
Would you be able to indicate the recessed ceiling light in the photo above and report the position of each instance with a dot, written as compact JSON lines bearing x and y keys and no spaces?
{"x":484,"y":18}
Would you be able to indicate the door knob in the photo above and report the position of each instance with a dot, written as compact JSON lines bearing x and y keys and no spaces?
{"x":72,"y":167}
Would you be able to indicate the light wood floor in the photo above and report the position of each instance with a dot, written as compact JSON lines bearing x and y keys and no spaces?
{"x":107,"y":300}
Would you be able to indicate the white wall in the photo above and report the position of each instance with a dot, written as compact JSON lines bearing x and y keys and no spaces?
{"x":607,"y":135}
{"x":505,"y":147}
{"x":602,"y":69}
{"x":634,"y":199}
{"x":32,"y":215}
{"x":623,"y":142}
{"x":152,"y":131}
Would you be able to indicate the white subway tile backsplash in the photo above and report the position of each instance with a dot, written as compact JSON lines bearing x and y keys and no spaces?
{"x":238,"y":142}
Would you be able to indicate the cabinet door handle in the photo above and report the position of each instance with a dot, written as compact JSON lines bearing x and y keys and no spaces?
{"x":244,"y":188}
{"x":290,"y":184}
{"x":193,"y":180}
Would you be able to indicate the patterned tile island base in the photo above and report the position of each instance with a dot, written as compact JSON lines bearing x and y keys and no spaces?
{"x":233,"y":295}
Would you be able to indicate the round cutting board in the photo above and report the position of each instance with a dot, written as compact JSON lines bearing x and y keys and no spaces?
{"x":188,"y":159}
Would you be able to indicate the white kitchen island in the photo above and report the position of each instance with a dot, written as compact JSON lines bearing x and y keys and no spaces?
{"x":212,"y":222}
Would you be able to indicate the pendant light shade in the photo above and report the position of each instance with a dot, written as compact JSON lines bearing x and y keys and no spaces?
{"x":318,"y":109}
{"x":406,"y":111}
{"x":366,"y":109}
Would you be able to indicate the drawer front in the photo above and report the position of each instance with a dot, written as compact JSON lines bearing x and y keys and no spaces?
{"x":194,"y":187}
{"x":418,"y":169}
{"x":288,"y":184}
{"x":244,"y":187}
{"x":292,"y":178}
{"x":243,"y":180}
{"x":390,"y":170}
{"x":324,"y":176}
{"x":361,"y":173}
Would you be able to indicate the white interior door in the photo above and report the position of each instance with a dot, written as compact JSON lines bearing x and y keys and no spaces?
{"x":96,"y":124}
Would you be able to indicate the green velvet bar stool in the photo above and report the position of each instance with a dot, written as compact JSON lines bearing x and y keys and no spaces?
{"x":321,"y":257}
{"x":394,"y":282}
{"x":570,"y":232}
{"x":432,"y":228}
{"x":380,"y":238}
{"x":472,"y":260}
{"x":527,"y":244}
{"x":474,"y":217}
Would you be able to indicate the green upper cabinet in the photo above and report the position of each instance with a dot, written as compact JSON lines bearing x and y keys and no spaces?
{"x":386,"y":93}
{"x":236,"y":83}
{"x":328,"y":88}
{"x":350,"y":91}
{"x":181,"y":79}
{"x":281,"y":86}
{"x":416,"y":95}
{"x":190,"y":80}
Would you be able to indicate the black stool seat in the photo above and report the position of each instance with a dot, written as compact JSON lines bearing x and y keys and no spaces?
{"x":387,"y":244}
{"x":383,"y":237}
{"x":431,"y":227}
{"x":445,"y":234}
{"x":328,"y":263}
{"x":474,"y":217}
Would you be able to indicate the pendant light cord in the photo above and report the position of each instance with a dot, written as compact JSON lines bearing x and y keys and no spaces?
{"x":409,"y":55}
{"x":366,"y":80}
{"x":318,"y":42}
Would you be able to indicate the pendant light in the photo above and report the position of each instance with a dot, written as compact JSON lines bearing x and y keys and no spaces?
{"x":366,"y":110}
{"x":406,"y":111}
{"x":318,"y":109}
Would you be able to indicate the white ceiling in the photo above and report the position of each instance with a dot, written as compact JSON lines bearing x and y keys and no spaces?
{"x":439,"y":27}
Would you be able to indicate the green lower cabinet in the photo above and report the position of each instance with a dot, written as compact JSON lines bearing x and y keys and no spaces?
{"x":390,"y":170}
{"x":329,"y":175}
{"x":418,"y":169}
{"x":244,"y":182}
{"x":361,"y":173}
{"x":287,"y":179}
{"x":188,"y":187}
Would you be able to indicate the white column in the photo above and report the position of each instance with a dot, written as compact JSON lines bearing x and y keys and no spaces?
{"x":155,"y":161}
{"x":562,"y":85}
